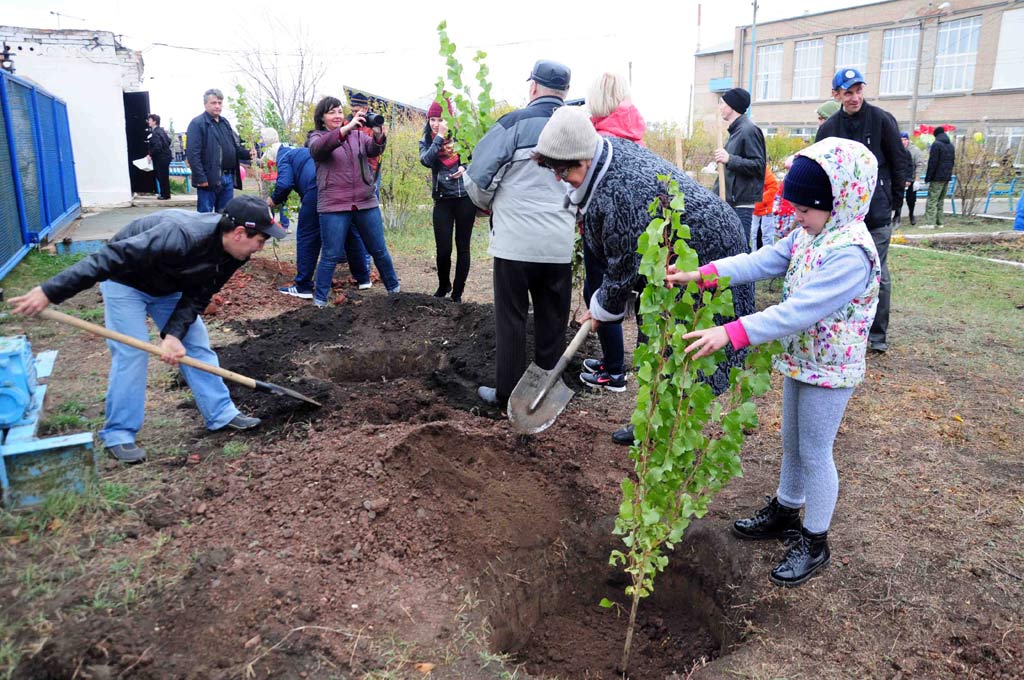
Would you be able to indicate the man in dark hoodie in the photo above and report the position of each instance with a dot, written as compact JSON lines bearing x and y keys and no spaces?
{"x":877,"y":130}
{"x":941,"y":158}
{"x":744,"y":158}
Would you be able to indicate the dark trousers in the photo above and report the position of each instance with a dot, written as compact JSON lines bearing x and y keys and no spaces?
{"x":880,"y":327}
{"x":453,"y":216}
{"x":549,"y":286}
{"x":746,"y":216}
{"x":162,"y":171}
{"x":307,"y":247}
{"x":897,"y":202}
{"x":610,"y":334}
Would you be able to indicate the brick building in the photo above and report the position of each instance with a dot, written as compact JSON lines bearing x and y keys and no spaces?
{"x":970,"y":52}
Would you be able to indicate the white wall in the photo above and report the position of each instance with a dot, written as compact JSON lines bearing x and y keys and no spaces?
{"x":86,"y":73}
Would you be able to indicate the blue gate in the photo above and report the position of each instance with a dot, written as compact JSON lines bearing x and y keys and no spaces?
{"x":38,"y":190}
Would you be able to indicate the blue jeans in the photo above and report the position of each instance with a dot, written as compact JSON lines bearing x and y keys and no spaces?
{"x":334,"y":229}
{"x":307,"y":247}
{"x":214,"y":200}
{"x":125,"y":311}
{"x":610,"y":334}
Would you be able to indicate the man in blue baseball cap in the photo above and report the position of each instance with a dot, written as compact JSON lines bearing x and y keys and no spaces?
{"x":876,"y":129}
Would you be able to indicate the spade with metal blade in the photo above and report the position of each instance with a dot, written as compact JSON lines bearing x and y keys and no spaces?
{"x":541,"y":395}
{"x":269,"y":388}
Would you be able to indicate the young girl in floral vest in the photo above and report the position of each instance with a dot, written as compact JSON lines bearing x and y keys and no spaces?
{"x":828,"y":303}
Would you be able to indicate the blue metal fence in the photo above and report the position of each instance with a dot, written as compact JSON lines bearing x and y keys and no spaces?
{"x":38,"y":190}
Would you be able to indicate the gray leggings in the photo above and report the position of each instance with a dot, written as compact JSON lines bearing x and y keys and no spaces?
{"x":810,"y":421}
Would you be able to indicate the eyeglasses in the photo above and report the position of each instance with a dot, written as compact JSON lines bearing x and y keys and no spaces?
{"x":560,"y":173}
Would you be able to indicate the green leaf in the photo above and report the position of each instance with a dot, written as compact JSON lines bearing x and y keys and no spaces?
{"x":606,"y":603}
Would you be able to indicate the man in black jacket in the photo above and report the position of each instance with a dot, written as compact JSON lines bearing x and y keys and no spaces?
{"x":877,"y":130}
{"x":166,"y":265}
{"x":744,"y":157}
{"x":941,"y":158}
{"x":160,"y":154}
{"x":213,"y":153}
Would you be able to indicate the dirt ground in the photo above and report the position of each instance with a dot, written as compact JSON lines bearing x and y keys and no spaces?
{"x":402,"y":530}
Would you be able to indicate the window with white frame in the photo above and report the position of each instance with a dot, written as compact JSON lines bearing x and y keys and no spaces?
{"x":769,"y":73}
{"x":852,"y":51}
{"x":955,"y":55}
{"x":807,"y":69}
{"x":1011,"y":51}
{"x":1008,"y":142}
{"x":899,"y":60}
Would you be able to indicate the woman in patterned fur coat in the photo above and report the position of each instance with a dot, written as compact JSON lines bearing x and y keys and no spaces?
{"x":611,"y":183}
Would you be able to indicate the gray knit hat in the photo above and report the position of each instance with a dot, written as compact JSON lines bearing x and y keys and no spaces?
{"x":568,"y":136}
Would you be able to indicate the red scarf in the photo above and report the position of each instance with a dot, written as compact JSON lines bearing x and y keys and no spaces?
{"x":447,"y":154}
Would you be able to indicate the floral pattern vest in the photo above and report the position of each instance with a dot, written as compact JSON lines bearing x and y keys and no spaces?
{"x":831,"y":352}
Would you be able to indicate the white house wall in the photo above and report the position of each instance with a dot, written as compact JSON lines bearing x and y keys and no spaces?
{"x":89,"y":72}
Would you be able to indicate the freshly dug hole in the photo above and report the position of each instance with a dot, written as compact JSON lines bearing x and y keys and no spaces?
{"x":544,"y":607}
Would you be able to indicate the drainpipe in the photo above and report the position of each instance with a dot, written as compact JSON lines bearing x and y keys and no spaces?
{"x":753,"y":44}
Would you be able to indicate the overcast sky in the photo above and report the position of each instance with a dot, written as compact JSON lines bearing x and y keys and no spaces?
{"x":390,"y":48}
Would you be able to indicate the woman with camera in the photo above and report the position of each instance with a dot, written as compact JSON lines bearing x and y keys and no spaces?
{"x":345,"y":191}
{"x":453,"y":209}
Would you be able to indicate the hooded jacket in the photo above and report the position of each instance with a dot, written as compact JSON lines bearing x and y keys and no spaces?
{"x":296,"y":172}
{"x":529,"y":219}
{"x":831,"y":287}
{"x":171,"y":251}
{"x":941,"y":159}
{"x":624,"y":122}
{"x":345,"y":180}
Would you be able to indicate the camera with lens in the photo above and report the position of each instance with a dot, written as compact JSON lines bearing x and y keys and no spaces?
{"x":371,"y":119}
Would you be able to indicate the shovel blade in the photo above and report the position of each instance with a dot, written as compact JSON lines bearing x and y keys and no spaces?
{"x":531,"y":421}
{"x":271,"y":388}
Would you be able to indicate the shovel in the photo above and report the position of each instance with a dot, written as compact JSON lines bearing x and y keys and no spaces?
{"x":269,"y":388}
{"x":541,"y":395}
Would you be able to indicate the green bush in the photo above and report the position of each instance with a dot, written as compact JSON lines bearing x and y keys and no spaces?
{"x":405,"y":183}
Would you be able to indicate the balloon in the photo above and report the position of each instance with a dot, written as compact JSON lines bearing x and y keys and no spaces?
{"x":242,"y":168}
{"x":978,"y":137}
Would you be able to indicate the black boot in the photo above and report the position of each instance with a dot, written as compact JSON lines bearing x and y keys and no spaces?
{"x":623,"y":435}
{"x":442,"y":289}
{"x":896,"y":222}
{"x":913,"y":222}
{"x":772,"y":521}
{"x":805,"y":557}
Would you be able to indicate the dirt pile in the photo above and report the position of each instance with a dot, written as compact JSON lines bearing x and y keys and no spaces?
{"x":382,"y":514}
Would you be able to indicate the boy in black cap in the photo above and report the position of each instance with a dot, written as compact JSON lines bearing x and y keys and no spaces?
{"x":167,"y":266}
{"x":744,"y":158}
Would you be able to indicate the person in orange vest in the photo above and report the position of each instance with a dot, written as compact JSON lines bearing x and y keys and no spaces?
{"x":762,"y":227}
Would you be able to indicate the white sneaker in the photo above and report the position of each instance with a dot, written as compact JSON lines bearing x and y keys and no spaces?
{"x":489,"y":395}
{"x":319,"y":303}
{"x":365,"y":286}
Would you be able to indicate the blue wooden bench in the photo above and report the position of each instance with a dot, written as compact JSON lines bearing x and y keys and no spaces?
{"x":179,"y":169}
{"x":1002,"y":189}
{"x":950,"y":192}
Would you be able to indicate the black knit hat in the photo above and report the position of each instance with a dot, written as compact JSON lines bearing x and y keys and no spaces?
{"x":807,"y":184}
{"x":738,"y":100}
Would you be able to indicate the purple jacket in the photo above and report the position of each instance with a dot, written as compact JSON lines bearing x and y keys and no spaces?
{"x":344,"y":179}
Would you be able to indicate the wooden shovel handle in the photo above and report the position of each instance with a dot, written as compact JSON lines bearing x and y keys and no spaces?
{"x":60,"y":317}
{"x":721,"y":167}
{"x":563,"y":361}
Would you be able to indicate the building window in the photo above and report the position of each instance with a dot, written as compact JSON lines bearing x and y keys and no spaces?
{"x":899,"y":60}
{"x":804,"y":132}
{"x":955,"y":55}
{"x":1008,"y":142}
{"x":769,"y":73}
{"x":852,"y":51}
{"x":807,"y":69}
{"x":1011,"y":51}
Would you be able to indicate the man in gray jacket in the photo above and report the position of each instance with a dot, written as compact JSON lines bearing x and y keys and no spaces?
{"x":531,"y":233}
{"x":744,"y":157}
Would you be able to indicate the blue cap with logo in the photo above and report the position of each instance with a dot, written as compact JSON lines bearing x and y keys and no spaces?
{"x":845,"y":78}
{"x":551,"y":74}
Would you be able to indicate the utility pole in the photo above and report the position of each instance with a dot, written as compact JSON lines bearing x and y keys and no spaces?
{"x":917,"y":75}
{"x":753,"y":45}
